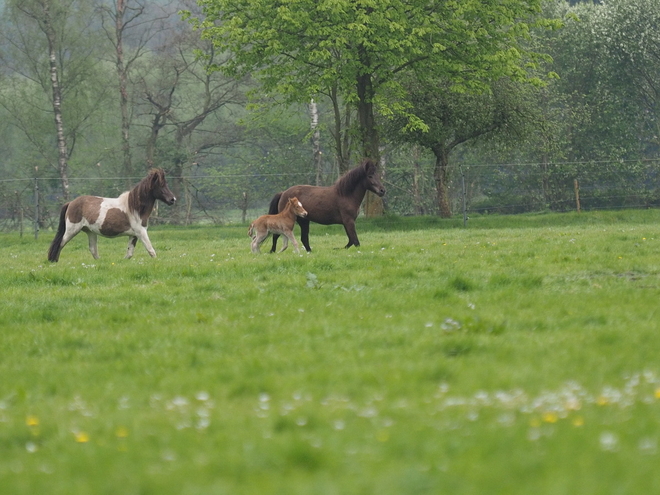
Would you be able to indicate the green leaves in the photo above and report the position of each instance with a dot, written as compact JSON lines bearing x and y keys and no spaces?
{"x":338,"y":40}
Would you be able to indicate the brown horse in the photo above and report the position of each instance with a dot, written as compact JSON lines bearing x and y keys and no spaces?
{"x":339,"y":203}
{"x":111,"y":217}
{"x":282,"y":223}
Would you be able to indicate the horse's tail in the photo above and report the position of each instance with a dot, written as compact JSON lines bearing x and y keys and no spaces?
{"x":274,"y":208}
{"x":250,"y":230}
{"x":56,"y":245}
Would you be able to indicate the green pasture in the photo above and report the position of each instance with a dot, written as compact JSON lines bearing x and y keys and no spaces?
{"x":518,"y":355}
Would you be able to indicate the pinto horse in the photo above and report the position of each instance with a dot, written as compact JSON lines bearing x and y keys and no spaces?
{"x":282,"y":223}
{"x":111,"y":217}
{"x":336,"y":204}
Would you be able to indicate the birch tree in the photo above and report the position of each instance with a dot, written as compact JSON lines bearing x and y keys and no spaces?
{"x":47,"y":14}
{"x":316,"y":141}
{"x":42,"y":39}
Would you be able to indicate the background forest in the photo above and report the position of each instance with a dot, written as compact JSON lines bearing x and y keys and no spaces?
{"x":92,"y":94}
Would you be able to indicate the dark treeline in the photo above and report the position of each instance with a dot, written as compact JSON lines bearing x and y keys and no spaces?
{"x":93,"y":94}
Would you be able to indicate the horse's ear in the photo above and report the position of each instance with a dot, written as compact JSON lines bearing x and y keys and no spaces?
{"x":156,"y":174}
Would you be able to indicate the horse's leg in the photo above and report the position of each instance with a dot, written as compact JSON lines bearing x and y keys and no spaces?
{"x":132,"y":241}
{"x":289,"y":236}
{"x":285,"y":243}
{"x":349,"y":227}
{"x":258,"y":241}
{"x":142,"y":235}
{"x":254,"y":246}
{"x":304,"y":233}
{"x":275,"y":238}
{"x":93,"y":248}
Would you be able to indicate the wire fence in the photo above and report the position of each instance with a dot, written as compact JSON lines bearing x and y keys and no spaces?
{"x":31,"y":205}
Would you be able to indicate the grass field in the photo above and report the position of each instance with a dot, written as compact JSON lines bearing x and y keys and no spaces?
{"x":517,"y":356}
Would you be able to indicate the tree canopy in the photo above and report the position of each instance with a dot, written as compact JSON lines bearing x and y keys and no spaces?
{"x":301,"y":48}
{"x":433,"y":70}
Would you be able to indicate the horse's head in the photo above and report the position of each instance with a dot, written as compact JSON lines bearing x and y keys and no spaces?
{"x":297,"y":207}
{"x":373,"y":182}
{"x":159,"y":187}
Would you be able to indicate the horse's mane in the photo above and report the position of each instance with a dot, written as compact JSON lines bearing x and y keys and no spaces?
{"x":140,"y":198}
{"x":346,"y":184}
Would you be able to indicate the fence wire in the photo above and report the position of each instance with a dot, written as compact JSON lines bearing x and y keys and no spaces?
{"x":32,"y":205}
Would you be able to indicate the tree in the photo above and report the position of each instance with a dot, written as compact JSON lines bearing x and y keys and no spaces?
{"x":48,"y":62}
{"x":47,"y":16}
{"x":302,"y":49}
{"x":185,"y":102}
{"x":628,"y":31}
{"x":592,"y":120}
{"x":122,"y":20}
{"x":454,"y":119}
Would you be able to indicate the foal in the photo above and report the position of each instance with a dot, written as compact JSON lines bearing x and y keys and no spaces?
{"x":282,"y":223}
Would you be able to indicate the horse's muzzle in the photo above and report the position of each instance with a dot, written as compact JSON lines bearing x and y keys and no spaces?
{"x":171,"y":201}
{"x":381,"y":192}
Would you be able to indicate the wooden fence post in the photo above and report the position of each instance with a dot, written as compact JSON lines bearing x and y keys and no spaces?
{"x":36,"y":205}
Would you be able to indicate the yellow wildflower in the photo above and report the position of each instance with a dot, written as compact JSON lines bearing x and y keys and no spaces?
{"x":550,"y":417}
{"x":81,"y":437}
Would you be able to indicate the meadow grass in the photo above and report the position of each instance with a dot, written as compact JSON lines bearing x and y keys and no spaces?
{"x":518,"y":355}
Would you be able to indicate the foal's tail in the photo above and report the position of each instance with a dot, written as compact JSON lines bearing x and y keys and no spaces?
{"x":56,"y":245}
{"x":251,"y":229}
{"x":274,"y":210}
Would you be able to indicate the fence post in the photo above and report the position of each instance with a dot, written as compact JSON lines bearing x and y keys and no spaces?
{"x":465,"y":217}
{"x":36,"y":204}
{"x":244,"y":206}
{"x":19,"y":212}
{"x":576,"y":186}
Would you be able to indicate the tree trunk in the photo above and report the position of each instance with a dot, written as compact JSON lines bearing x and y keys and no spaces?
{"x":122,"y":77}
{"x":316,"y":142}
{"x":157,"y":124}
{"x":417,"y":172}
{"x":341,"y":134}
{"x":347,"y":141}
{"x":366,"y":118}
{"x":441,"y":175}
{"x":545,"y":179}
{"x":63,"y":153}
{"x":373,"y":205}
